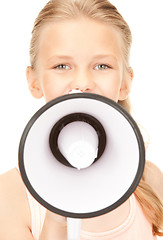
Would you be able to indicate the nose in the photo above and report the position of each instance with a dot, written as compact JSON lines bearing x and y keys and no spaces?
{"x":82,"y":81}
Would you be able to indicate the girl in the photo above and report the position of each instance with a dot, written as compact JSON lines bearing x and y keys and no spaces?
{"x":84,"y":45}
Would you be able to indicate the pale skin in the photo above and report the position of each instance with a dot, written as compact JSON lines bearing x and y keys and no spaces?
{"x":76,"y":54}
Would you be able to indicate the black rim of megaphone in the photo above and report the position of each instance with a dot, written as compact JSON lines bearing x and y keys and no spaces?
{"x":137,"y":176}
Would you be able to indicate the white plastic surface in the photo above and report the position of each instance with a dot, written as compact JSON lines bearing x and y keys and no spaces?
{"x":78,"y":143}
{"x":73,"y":228}
{"x":93,"y":188}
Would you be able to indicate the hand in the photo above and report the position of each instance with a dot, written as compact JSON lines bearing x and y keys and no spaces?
{"x":56,"y":217}
{"x":55,"y":227}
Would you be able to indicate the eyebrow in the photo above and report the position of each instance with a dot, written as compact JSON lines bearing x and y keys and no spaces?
{"x":96,"y":57}
{"x":61,"y":57}
{"x":104,"y":56}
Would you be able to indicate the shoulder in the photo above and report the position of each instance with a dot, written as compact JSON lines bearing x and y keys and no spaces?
{"x":153,"y":176}
{"x":14,"y":208}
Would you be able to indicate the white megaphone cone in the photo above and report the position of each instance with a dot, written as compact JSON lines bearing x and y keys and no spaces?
{"x":78,"y":143}
{"x":81,"y":156}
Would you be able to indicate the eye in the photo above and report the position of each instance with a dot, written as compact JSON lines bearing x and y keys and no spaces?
{"x":102,"y":67}
{"x":62,"y":67}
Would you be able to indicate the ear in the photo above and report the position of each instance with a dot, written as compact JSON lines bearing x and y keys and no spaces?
{"x":33,"y":83}
{"x":126,"y":84}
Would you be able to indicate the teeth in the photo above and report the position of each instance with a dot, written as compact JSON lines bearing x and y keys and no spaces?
{"x":75,"y":91}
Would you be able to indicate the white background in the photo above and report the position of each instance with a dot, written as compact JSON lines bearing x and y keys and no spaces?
{"x":145,"y":19}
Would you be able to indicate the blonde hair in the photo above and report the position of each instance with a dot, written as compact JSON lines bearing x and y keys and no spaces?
{"x":104,"y":11}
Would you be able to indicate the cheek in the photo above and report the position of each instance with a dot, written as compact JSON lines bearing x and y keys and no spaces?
{"x":52,"y":91}
{"x":52,"y":86}
{"x":113,"y":95}
{"x":110,"y":86}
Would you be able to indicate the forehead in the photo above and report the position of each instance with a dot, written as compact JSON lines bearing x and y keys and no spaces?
{"x":79,"y":37}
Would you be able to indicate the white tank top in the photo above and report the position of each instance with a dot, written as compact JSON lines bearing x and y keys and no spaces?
{"x":135,"y":227}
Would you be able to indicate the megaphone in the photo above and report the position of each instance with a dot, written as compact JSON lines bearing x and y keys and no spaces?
{"x":81,"y":155}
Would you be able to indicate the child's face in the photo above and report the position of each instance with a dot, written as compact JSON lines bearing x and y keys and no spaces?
{"x":79,"y":54}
